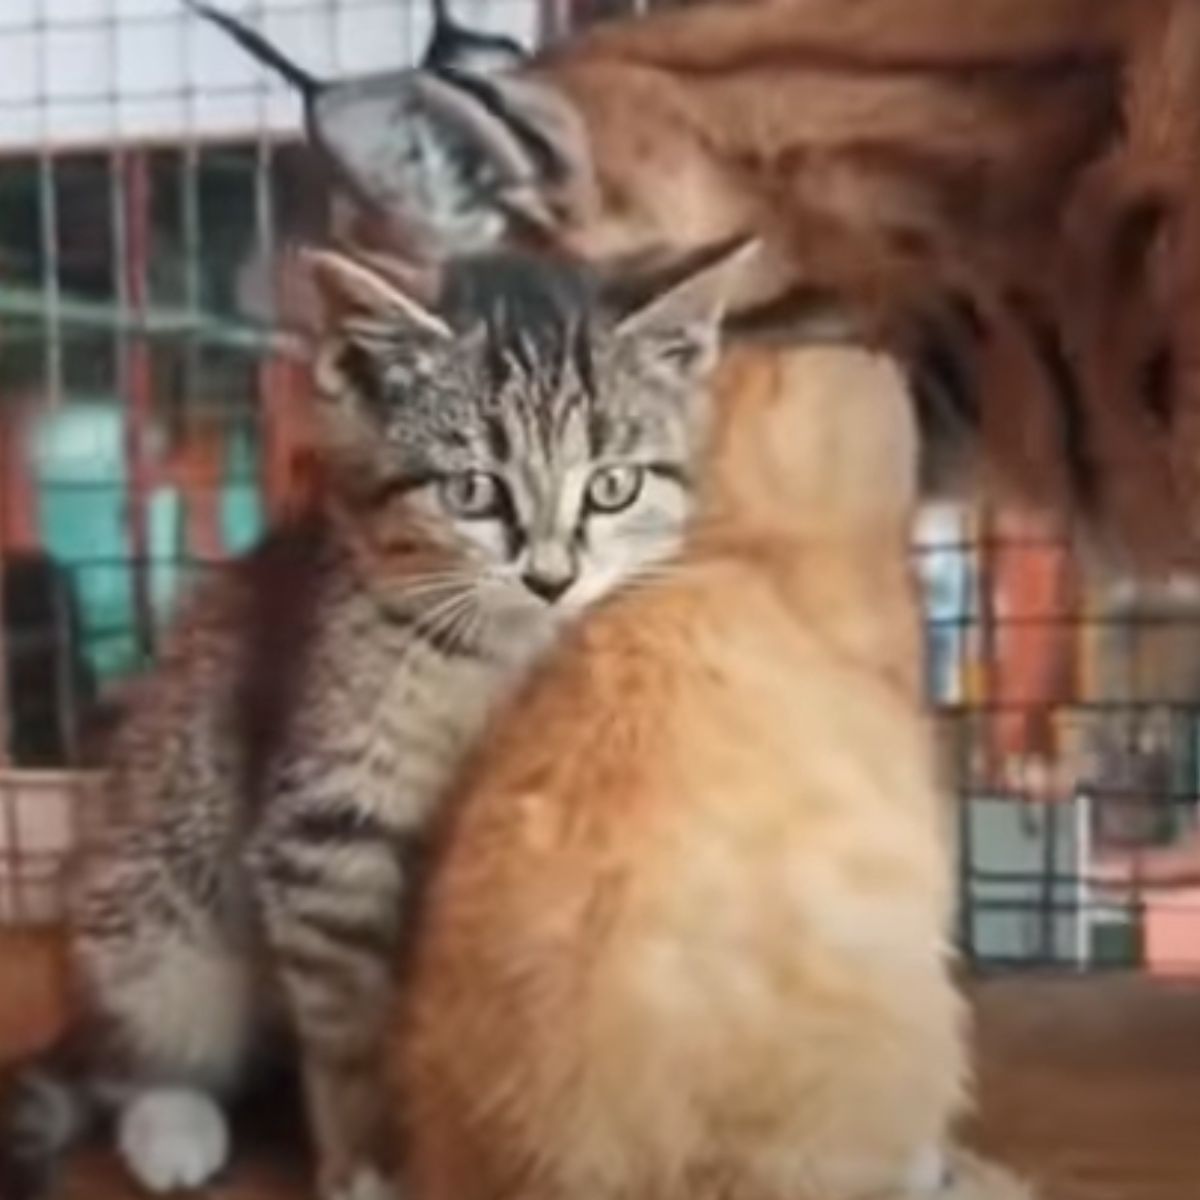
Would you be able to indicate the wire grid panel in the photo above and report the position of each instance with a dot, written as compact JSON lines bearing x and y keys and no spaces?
{"x":151,"y":423}
{"x":152,"y":416}
{"x":97,"y":72}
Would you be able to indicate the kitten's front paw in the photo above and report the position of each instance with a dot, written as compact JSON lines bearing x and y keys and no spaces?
{"x":365,"y":1184}
{"x":173,"y":1138}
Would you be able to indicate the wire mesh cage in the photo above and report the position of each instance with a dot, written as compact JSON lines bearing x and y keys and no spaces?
{"x":151,"y":427}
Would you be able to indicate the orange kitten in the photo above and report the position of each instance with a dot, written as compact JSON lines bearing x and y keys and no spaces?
{"x":689,"y":937}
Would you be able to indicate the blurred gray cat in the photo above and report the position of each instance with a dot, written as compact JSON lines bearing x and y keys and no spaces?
{"x":504,"y":445}
{"x":365,"y":130}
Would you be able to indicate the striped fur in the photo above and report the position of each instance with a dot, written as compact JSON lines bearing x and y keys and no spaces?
{"x":270,"y":788}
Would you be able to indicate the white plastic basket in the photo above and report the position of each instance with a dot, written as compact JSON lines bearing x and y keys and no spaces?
{"x":41,"y":814}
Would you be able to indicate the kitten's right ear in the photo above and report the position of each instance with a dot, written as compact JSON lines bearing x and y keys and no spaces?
{"x":373,"y":290}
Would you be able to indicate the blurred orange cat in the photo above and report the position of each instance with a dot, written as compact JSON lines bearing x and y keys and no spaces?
{"x":688,"y":938}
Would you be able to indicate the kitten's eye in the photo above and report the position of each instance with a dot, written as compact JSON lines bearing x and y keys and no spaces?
{"x":473,"y":494}
{"x":611,"y":489}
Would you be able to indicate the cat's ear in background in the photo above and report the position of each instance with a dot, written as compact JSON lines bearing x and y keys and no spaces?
{"x":454,"y":153}
{"x":259,"y":47}
{"x":453,"y":46}
{"x":368,"y":291}
{"x":680,"y":309}
{"x":459,"y":159}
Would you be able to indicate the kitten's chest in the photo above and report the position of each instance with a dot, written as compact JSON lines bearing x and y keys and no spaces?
{"x":388,"y":731}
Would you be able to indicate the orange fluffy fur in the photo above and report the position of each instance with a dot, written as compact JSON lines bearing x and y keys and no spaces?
{"x":689,"y":934}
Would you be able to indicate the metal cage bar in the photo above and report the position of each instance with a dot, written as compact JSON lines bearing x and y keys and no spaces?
{"x":167,"y":425}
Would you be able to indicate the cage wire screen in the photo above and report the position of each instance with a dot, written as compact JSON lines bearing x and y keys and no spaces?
{"x":150,"y":173}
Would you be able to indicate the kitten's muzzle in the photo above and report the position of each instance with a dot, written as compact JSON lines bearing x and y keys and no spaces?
{"x":549,"y":586}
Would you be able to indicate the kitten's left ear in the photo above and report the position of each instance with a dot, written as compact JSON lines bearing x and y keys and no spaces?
{"x":686,"y":304}
{"x":374,"y":289}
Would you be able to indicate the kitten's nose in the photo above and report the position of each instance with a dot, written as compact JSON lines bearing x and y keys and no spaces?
{"x":549,"y":586}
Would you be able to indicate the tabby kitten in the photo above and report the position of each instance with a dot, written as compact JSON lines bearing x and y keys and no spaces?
{"x":688,"y":939}
{"x":498,"y":459}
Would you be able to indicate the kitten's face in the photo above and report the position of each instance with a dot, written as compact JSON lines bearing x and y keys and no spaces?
{"x":551,"y":473}
{"x":543,"y":444}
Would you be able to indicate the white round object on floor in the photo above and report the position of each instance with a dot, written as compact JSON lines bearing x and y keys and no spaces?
{"x":172,"y":1138}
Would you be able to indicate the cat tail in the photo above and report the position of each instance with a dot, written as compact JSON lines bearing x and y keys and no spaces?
{"x":258,"y":47}
{"x":48,"y":1104}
